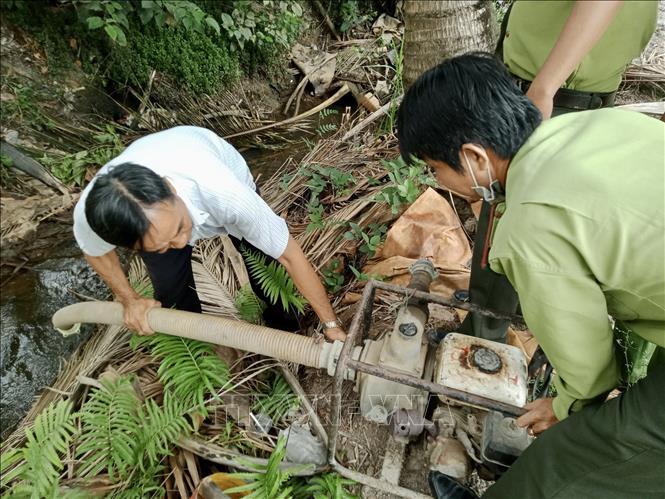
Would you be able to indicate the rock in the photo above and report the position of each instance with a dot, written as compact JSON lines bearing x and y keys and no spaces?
{"x":302,"y":447}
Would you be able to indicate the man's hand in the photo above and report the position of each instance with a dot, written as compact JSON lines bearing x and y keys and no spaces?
{"x":540,"y":416}
{"x":335,"y":333}
{"x":135,"y":308}
{"x":135,"y":314}
{"x":542,"y":99}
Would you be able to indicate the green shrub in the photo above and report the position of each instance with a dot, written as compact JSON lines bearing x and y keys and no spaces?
{"x":190,"y":57}
{"x":259,"y":31}
{"x":202,"y":44}
{"x":349,"y":14}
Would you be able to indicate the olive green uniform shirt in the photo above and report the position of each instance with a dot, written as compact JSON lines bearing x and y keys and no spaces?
{"x":583,"y":236}
{"x":534,"y":27}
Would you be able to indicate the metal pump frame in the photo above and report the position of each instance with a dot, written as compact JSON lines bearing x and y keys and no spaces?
{"x":358,"y":330}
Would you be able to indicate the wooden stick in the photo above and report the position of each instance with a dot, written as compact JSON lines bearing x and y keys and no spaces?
{"x":326,"y":18}
{"x":371,"y":118}
{"x":302,"y":83}
{"x":337,"y":96}
{"x":298,"y":100}
{"x":645,"y":107}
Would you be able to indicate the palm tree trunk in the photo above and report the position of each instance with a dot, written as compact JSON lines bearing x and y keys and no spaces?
{"x":438,"y":29}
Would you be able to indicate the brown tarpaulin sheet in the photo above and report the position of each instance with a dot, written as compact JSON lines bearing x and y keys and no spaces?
{"x":429,"y":228}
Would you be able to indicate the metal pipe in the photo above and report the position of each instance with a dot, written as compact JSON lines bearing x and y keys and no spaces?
{"x":378,"y":484}
{"x":405,"y":379}
{"x":449,"y":302}
{"x":359,"y":319}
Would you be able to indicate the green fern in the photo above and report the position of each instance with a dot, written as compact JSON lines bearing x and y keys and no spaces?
{"x":278,"y":402}
{"x":250,"y":307}
{"x":38,"y":465}
{"x":110,"y":426}
{"x":324,"y":486}
{"x":268,"y":481}
{"x":189,"y":369}
{"x":144,"y":485}
{"x":274,"y":281}
{"x":11,"y":458}
{"x":127,"y":439}
{"x":328,"y":111}
{"x":162,"y":426}
{"x":325,"y":128}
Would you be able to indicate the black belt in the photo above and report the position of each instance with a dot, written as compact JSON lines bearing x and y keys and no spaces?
{"x":574,"y":99}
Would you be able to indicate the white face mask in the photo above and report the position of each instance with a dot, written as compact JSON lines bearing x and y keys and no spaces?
{"x":488,"y":195}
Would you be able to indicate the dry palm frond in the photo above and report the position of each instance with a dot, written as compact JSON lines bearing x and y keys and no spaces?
{"x":215,"y":298}
{"x":357,"y":206}
{"x":649,"y":69}
{"x":223,"y":261}
{"x":227,"y":112}
{"x":219,"y":272}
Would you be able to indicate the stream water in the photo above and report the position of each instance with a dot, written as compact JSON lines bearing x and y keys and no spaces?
{"x":32,"y":351}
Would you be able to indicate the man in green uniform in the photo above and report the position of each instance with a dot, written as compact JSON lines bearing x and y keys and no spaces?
{"x":581,"y":236}
{"x":567,"y":56}
{"x":571,"y":55}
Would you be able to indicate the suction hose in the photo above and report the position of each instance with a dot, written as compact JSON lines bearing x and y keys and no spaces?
{"x":274,"y":343}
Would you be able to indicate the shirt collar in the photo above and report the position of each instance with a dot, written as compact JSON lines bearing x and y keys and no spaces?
{"x":198,"y":216}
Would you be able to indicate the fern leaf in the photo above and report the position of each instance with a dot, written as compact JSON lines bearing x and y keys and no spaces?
{"x":250,"y":307}
{"x":275,"y":282}
{"x":143,"y":485}
{"x":189,"y":369}
{"x":13,"y":457}
{"x":110,"y":427}
{"x":163,"y":426}
{"x":48,"y":438}
{"x":324,"y":113}
{"x":279,"y":401}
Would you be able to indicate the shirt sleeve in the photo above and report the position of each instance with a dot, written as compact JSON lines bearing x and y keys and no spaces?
{"x":568,"y":316}
{"x":547,"y":254}
{"x":89,"y":242}
{"x":245,"y":215}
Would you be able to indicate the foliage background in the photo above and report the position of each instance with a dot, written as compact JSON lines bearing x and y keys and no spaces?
{"x":202,"y":44}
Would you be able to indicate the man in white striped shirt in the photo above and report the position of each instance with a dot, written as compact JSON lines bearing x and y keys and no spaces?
{"x":163,"y":193}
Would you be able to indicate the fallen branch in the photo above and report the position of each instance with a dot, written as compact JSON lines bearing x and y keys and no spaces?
{"x":372,"y":118}
{"x":344,"y":89}
{"x":327,"y":20}
{"x":33,"y":168}
{"x":307,"y":406}
{"x":227,"y":457}
{"x":298,"y":90}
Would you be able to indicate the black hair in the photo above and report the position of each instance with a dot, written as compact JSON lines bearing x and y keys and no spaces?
{"x":466,"y":99}
{"x":115,"y":205}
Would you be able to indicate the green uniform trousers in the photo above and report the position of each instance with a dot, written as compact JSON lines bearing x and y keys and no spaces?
{"x":606,"y":451}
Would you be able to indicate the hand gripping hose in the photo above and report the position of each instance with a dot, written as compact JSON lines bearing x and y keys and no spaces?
{"x":274,"y":343}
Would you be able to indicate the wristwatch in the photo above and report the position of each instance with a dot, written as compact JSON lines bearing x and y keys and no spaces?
{"x":332,"y":324}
